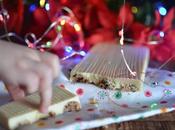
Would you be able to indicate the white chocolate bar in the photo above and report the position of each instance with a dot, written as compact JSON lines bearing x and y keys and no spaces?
{"x":104,"y":66}
{"x":25,"y":111}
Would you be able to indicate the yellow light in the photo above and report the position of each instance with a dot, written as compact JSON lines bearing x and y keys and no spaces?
{"x":77,"y":27}
{"x":134,"y":9}
{"x":58,"y":28}
{"x":42,"y":3}
{"x":63,"y":22}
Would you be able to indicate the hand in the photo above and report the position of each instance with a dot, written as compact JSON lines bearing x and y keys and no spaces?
{"x":25,"y":71}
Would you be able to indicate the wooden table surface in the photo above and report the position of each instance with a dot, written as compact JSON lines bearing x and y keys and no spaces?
{"x":160,"y":122}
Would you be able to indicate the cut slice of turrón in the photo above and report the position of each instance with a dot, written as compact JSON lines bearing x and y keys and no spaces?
{"x":104,"y":66}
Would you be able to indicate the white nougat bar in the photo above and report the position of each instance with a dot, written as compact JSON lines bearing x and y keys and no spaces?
{"x":104,"y":66}
{"x":25,"y":111}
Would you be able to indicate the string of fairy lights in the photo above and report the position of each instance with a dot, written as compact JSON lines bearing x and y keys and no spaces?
{"x":36,"y":43}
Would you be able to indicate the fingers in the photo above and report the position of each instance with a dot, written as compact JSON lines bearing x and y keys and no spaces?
{"x":27,"y":70}
{"x":22,"y":83}
{"x":52,"y":61}
{"x":28,"y":81}
{"x":11,"y":84}
{"x":46,"y":58}
{"x":45,"y":75}
{"x":15,"y":92}
{"x":45,"y":86}
{"x":46,"y":96}
{"x":36,"y":75}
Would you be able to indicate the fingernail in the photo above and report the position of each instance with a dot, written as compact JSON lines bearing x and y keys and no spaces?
{"x":44,"y":110}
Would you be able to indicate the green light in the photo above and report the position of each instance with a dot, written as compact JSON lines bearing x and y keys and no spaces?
{"x":48,"y":44}
{"x":59,"y":28}
{"x":134,"y":9}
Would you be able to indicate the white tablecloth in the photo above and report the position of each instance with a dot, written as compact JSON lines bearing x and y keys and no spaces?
{"x":112,"y":106}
